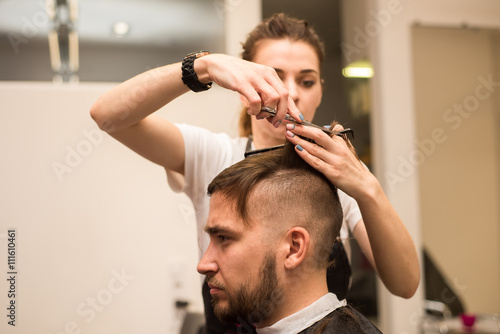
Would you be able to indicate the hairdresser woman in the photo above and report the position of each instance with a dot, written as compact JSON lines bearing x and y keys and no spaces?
{"x":282,"y":70}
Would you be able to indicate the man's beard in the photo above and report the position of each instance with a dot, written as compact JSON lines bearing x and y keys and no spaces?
{"x":252,"y":305}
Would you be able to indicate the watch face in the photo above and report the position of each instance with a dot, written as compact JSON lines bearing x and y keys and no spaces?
{"x":201,"y":54}
{"x":198,"y":54}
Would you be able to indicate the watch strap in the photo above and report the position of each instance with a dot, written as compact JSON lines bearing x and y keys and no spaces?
{"x":189,"y":76}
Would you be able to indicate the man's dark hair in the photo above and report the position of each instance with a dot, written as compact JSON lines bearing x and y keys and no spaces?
{"x":289,"y":191}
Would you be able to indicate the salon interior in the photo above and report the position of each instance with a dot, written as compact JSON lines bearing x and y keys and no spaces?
{"x":418,"y":82}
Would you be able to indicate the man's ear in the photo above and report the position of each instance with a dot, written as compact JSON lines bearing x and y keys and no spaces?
{"x":296,"y":247}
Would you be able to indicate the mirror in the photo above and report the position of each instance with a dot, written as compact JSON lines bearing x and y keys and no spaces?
{"x":457,"y":84}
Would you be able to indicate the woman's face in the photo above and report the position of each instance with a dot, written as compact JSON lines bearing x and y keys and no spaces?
{"x":297,"y":65}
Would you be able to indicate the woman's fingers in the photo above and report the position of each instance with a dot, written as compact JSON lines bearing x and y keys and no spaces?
{"x":315,"y":155}
{"x":318,"y":136}
{"x":260,"y":85}
{"x":329,"y":155}
{"x":294,"y":111}
{"x":338,"y":127}
{"x":277,"y":102}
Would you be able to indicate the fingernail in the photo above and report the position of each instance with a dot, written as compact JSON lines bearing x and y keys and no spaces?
{"x":277,"y":124}
{"x":301,"y":116}
{"x":299,"y":148}
{"x":290,"y":126}
{"x":290,"y":134}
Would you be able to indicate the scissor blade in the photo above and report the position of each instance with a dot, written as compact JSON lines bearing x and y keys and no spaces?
{"x":346,"y":133}
{"x":291,"y":119}
{"x":307,"y":123}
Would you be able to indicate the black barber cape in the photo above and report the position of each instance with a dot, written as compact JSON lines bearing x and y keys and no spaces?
{"x":345,"y":320}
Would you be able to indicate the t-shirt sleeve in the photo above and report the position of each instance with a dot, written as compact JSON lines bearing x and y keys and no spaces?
{"x":206,"y":154}
{"x":350,"y":208}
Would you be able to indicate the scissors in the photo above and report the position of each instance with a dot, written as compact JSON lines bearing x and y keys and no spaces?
{"x":346,"y":133}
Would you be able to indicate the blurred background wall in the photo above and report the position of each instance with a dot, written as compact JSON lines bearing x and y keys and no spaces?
{"x":103,"y":245}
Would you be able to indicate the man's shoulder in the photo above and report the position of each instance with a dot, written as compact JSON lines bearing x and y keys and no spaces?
{"x":344,"y":319}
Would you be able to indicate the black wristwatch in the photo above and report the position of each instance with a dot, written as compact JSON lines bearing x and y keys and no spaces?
{"x":189,"y":76}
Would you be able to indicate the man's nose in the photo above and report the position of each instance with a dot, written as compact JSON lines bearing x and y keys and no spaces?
{"x":207,"y":264}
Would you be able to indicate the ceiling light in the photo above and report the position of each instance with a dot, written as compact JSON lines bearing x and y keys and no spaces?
{"x":358,"y":69}
{"x":121,"y":28}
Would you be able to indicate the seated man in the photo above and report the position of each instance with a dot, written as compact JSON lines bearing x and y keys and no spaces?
{"x":272,"y":222}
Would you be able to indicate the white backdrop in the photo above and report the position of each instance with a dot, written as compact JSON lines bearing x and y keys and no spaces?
{"x":102,"y":244}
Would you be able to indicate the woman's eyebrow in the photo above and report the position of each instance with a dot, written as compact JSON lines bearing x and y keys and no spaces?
{"x":278,"y":70}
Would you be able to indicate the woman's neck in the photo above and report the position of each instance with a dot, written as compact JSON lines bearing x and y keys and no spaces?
{"x":263,"y":142}
{"x":266,"y":136}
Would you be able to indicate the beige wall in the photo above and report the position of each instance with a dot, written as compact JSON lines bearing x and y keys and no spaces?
{"x":458,"y":141}
{"x":103,"y":245}
{"x":496,"y":103}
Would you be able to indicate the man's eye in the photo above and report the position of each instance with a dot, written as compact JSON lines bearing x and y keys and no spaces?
{"x":222,"y":238}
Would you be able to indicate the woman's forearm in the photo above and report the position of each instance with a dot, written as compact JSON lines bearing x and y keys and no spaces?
{"x":387,"y":243}
{"x":138,"y":97}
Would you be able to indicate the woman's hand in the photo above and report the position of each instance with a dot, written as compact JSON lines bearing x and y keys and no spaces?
{"x":260,"y":85}
{"x":333,"y":158}
{"x":381,"y":234}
